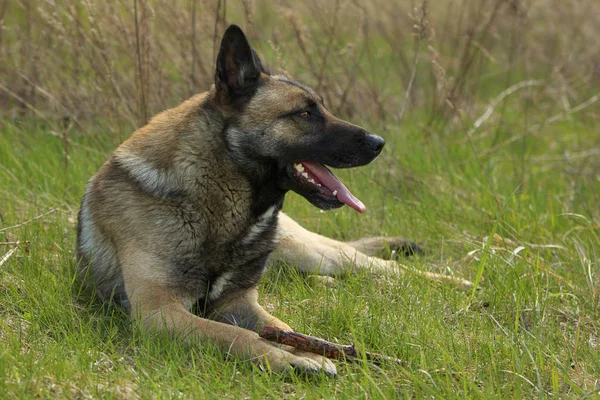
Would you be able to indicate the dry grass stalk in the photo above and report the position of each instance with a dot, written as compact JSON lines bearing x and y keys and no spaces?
{"x":52,"y":210}
{"x":7,"y":255}
{"x":141,"y":87}
{"x":122,"y":63}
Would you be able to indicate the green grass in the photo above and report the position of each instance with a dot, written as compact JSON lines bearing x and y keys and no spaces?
{"x":531,"y":331}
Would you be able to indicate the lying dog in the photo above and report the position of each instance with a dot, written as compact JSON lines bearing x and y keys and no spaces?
{"x":186,"y":212}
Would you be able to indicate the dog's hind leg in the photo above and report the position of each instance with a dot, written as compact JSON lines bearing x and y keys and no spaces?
{"x":314,"y":253}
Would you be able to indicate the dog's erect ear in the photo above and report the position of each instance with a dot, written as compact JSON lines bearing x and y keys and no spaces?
{"x":238,"y":65}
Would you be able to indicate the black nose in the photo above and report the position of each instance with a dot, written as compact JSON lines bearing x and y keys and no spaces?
{"x":375,"y":143}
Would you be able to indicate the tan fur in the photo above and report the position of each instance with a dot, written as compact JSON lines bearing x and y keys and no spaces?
{"x":314,"y":253}
{"x":186,"y":211}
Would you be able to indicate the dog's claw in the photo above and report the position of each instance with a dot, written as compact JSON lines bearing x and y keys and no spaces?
{"x":409,"y":248}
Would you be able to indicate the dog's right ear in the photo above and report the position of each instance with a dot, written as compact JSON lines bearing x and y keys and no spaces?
{"x":238,"y":65}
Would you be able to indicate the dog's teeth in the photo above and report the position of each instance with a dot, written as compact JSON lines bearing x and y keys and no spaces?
{"x":334,"y":193}
{"x":304,"y":174}
{"x":299,"y":167}
{"x":311,"y":180}
{"x":318,"y":184}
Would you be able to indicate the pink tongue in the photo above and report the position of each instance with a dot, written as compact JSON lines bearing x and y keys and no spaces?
{"x":331,"y":182}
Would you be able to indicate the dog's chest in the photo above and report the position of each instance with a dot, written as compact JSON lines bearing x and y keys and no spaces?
{"x":247,"y":257}
{"x":218,"y":266}
{"x":265,"y":223}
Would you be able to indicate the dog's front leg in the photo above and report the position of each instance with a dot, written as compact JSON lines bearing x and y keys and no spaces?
{"x":243,"y":310}
{"x":160,"y":309}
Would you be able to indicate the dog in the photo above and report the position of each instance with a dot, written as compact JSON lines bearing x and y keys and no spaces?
{"x":186,"y":213}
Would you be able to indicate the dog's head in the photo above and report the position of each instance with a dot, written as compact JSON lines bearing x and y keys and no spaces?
{"x":280,"y":129}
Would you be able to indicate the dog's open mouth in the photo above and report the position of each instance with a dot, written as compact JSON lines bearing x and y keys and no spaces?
{"x":316,"y":179}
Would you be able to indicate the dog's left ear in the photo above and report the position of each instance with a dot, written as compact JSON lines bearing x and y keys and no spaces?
{"x":238,"y":65}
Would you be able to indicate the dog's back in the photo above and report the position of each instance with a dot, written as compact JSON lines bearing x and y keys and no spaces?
{"x":171,"y":191}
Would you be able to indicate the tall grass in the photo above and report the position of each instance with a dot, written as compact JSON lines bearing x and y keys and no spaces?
{"x":121,"y":63}
{"x":490,"y":111}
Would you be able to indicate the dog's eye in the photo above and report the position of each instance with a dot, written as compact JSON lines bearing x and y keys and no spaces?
{"x":305,"y":114}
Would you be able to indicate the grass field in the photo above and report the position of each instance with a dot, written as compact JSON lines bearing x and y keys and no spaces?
{"x":505,"y":192}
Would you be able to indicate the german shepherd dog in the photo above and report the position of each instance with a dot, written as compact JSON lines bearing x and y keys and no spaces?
{"x":186,"y":213}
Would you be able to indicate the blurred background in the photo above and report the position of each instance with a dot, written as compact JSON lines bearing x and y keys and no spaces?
{"x":489,"y":107}
{"x":118,"y":63}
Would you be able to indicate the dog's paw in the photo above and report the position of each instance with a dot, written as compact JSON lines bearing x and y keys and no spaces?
{"x":308,"y":366}
{"x":387,"y":247}
{"x":403,"y":247}
{"x":322,"y":281}
{"x":282,"y":358}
